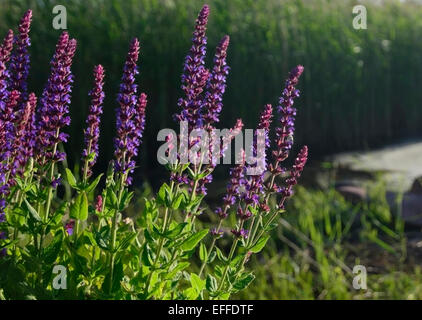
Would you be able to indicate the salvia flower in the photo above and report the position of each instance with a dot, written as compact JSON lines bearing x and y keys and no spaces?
{"x":255,"y":183}
{"x":126,"y":112}
{"x":295,"y":173}
{"x":19,"y":65}
{"x":243,"y":214}
{"x":92,"y":132}
{"x":216,"y":84}
{"x":218,"y":233}
{"x":6,"y":47}
{"x":285,"y":132}
{"x":130,"y":116}
{"x":25,"y":135}
{"x":137,"y":133}
{"x":99,"y":203}
{"x":241,"y":233}
{"x":5,"y":51}
{"x":7,"y":124}
{"x":195,"y":75}
{"x":237,"y":180}
{"x":69,"y":227}
{"x":56,"y":182}
{"x":56,"y":99}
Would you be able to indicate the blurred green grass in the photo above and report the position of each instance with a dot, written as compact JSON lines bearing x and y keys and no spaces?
{"x":322,"y":237}
{"x":360,"y":87}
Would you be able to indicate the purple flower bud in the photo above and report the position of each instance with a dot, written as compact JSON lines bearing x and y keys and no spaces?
{"x":69,"y":227}
{"x":217,"y":233}
{"x":99,"y":204}
{"x":56,"y":182}
{"x":242,"y":233}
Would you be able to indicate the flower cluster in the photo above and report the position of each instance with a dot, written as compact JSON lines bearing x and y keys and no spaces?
{"x":295,"y":173}
{"x":216,"y":84}
{"x":285,"y":132}
{"x":19,"y":65}
{"x":195,"y":75}
{"x":25,"y":134}
{"x":130,"y":116}
{"x":55,"y":101}
{"x":92,"y":132}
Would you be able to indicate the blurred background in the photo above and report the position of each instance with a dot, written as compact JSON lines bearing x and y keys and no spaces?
{"x":359,"y":113}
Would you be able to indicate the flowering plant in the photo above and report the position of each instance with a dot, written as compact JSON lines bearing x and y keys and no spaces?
{"x":105,"y":254}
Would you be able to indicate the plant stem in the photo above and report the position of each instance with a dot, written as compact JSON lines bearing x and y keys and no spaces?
{"x":114,"y":227}
{"x":161,"y":243}
{"x":232,"y":250}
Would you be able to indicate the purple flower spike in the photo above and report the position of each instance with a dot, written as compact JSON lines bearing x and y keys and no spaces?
{"x":237,"y":180}
{"x":7,"y":125}
{"x":6,"y":47}
{"x":255,"y":184}
{"x":288,"y":112}
{"x":295,"y":173}
{"x":56,"y":99}
{"x":216,"y":84}
{"x":19,"y":65}
{"x":125,"y":114}
{"x":25,"y":135}
{"x":92,"y":132}
{"x":195,"y":75}
{"x":136,"y":135}
{"x":5,"y":50}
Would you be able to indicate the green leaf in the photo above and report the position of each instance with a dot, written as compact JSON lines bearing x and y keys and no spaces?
{"x":93,"y":184}
{"x":176,"y":202}
{"x":32,"y":211}
{"x":237,"y":260}
{"x":127,"y":241}
{"x":103,"y":237}
{"x":173,"y":233}
{"x":193,"y":240}
{"x":212,"y":256}
{"x":146,"y":256}
{"x":179,"y":267}
{"x":79,"y":208}
{"x":203,"y":254}
{"x":211,"y":283}
{"x":52,"y":251}
{"x":127,"y":197}
{"x":111,"y":199}
{"x":162,"y":193}
{"x":70,"y":178}
{"x":260,"y":244}
{"x":221,"y":255}
{"x":191,"y":294}
{"x":197,"y":283}
{"x":244,"y":281}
